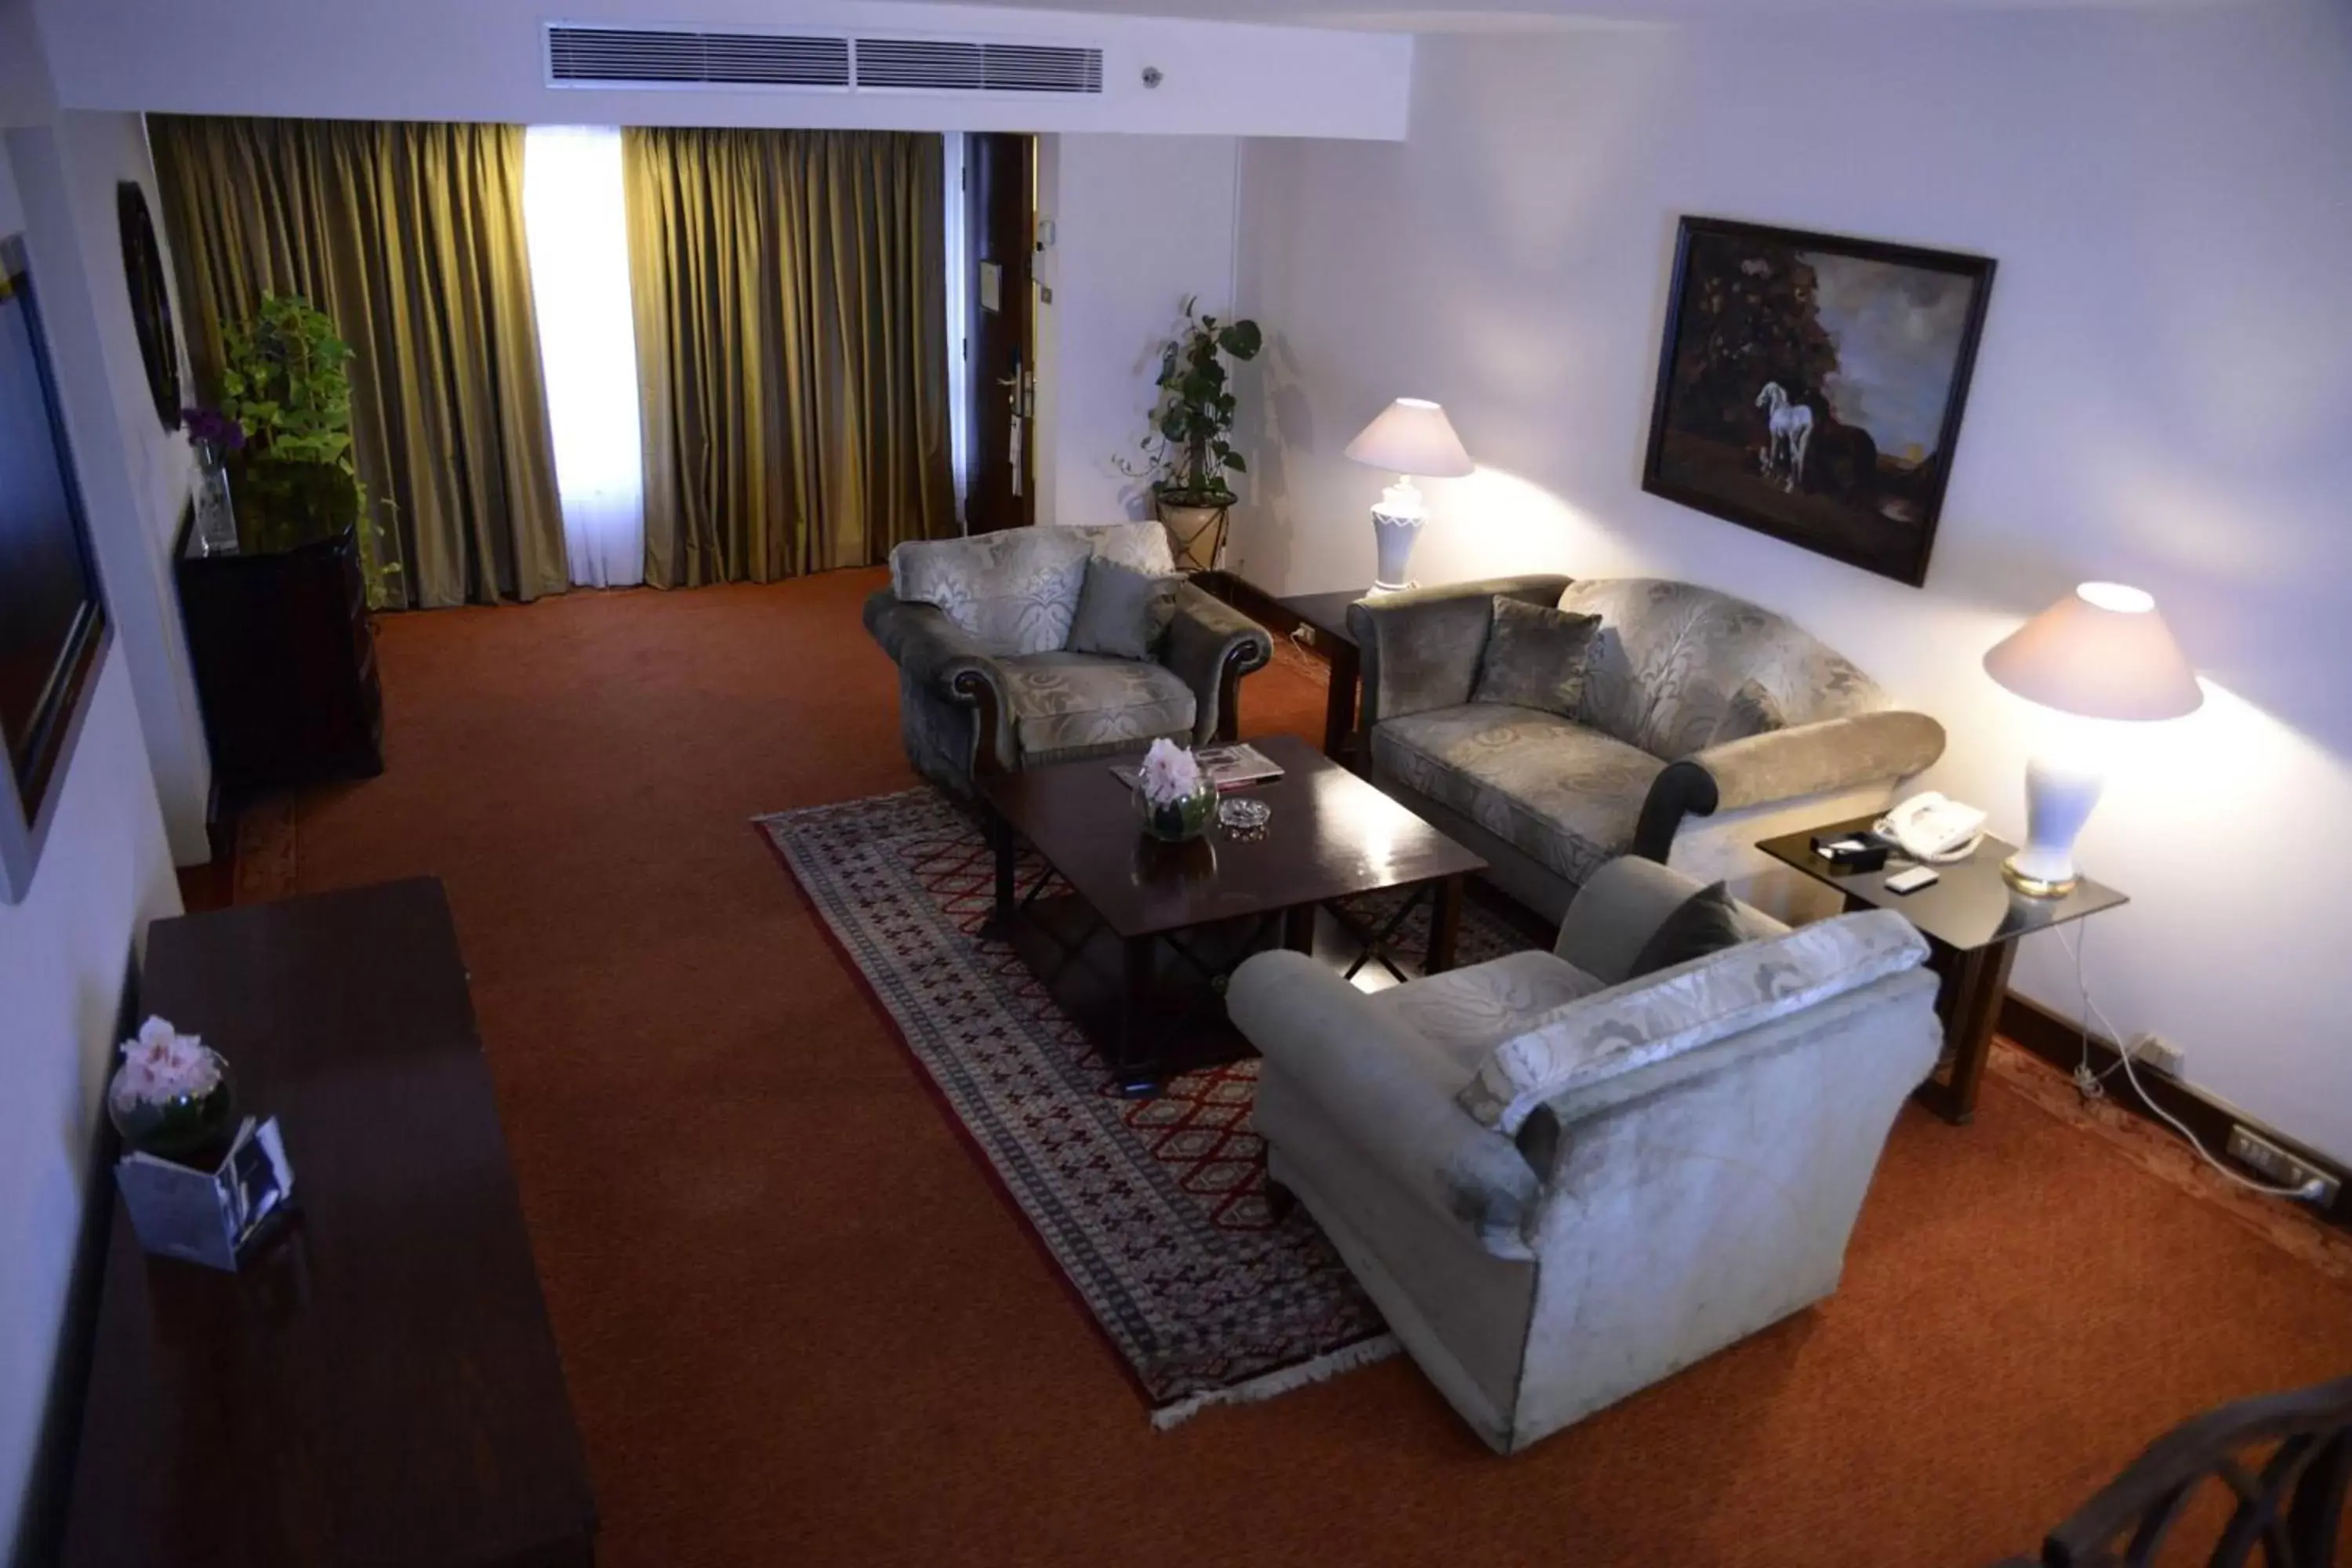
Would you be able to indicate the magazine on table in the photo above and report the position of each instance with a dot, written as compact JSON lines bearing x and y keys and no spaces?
{"x":1233,"y":767}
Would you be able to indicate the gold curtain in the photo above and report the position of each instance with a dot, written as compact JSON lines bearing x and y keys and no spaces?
{"x":410,"y":237}
{"x":792,"y":348}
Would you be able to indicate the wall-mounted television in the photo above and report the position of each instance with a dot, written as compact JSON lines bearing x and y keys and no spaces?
{"x":53,"y":627}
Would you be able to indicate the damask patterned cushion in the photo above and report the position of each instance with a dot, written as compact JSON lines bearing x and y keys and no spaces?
{"x":1143,"y":546}
{"x":1707,"y":921}
{"x":1123,"y":612}
{"x":1568,"y":796}
{"x":1535,"y":658}
{"x":1670,"y":656}
{"x":1064,"y":700}
{"x":1752,"y":711}
{"x":1645,"y":1021}
{"x":1013,"y":592}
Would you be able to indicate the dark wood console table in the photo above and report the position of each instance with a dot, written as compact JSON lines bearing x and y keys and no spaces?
{"x":380,"y":1385}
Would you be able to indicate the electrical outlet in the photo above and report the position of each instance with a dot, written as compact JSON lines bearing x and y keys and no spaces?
{"x":2279,"y":1165}
{"x":2149,"y":1050}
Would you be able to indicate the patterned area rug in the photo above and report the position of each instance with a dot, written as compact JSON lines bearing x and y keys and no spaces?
{"x":1153,"y":1210}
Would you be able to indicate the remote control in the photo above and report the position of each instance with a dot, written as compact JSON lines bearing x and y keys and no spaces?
{"x":1911,"y":881}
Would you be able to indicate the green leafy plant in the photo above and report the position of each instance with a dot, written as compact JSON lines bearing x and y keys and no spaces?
{"x":1189,"y":450}
{"x":286,"y":379}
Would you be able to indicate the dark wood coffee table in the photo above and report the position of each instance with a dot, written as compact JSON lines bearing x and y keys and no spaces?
{"x":1137,"y":946}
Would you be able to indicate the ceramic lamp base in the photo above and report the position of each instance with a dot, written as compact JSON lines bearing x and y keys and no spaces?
{"x":1393,"y":535}
{"x":2058,"y":797}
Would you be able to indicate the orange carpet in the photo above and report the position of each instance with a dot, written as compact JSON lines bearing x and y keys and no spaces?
{"x":801,"y":1327}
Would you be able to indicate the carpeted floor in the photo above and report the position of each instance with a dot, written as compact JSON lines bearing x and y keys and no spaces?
{"x":799,"y":1327}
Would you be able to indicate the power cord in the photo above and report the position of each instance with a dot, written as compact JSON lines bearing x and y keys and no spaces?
{"x":2087,"y":1083}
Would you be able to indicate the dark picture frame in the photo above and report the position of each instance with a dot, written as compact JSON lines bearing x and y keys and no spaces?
{"x":53,"y":628}
{"x":150,"y":300}
{"x":1869,"y":347}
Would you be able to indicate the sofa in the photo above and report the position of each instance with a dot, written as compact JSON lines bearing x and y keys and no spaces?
{"x":1560,"y":1184}
{"x":979,"y":627}
{"x":1706,"y":723}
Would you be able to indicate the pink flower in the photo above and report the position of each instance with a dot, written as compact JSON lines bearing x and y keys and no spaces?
{"x":163,"y":1064}
{"x":1170,"y":773}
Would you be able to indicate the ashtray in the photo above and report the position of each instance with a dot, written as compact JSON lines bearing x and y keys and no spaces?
{"x":1244,"y":817}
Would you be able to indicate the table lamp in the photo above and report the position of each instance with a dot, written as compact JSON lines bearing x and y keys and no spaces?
{"x":2102,"y":652}
{"x":1411,"y":437}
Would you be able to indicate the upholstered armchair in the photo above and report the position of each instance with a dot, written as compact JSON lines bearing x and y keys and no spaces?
{"x":980,"y":628}
{"x":1706,"y":723}
{"x":1560,"y":1184}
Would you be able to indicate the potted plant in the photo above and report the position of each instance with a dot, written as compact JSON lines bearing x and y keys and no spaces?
{"x":1187,"y":452}
{"x":286,"y":383}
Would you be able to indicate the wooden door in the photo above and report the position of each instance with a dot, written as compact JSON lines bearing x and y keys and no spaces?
{"x":1000,"y":192}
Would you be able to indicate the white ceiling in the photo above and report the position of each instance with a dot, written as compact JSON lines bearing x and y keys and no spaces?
{"x":1563,"y":15}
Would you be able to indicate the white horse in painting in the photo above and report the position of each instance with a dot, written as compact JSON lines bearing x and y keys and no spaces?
{"x":1792,"y":426}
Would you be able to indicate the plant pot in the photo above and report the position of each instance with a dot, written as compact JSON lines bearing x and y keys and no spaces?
{"x":1196,"y":529}
{"x":1180,"y":820}
{"x":187,"y":1128}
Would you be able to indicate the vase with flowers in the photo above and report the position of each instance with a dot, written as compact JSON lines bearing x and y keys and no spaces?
{"x":213,"y":435}
{"x":1174,"y":794}
{"x":172,"y":1097}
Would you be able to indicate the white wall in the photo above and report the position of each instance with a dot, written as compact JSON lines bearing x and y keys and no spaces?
{"x":134,"y":474}
{"x":64,"y":954}
{"x":1139,"y":223}
{"x":25,"y":95}
{"x":486,"y":59}
{"x":2163,"y":396}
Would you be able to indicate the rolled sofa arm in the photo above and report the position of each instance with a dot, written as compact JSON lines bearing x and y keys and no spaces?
{"x":1354,"y":1061}
{"x":1420,"y":649}
{"x":940,"y":656}
{"x":1211,"y":646}
{"x":1786,"y":764}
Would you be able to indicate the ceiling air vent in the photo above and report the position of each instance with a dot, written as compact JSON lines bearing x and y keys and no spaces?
{"x":953,"y":65}
{"x":650,"y":57}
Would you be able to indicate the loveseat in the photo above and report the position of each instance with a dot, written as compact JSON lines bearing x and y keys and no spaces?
{"x":1705,"y":724}
{"x":1560,"y":1184}
{"x":980,"y":628}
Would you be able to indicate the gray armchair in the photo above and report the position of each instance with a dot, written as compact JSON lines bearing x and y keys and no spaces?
{"x":977,"y":628}
{"x":1707,"y":723}
{"x":1560,"y":1184}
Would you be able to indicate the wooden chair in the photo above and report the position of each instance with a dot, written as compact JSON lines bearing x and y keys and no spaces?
{"x":2287,"y":1459}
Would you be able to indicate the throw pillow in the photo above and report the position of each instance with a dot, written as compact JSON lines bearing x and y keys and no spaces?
{"x":1752,"y":711}
{"x":1535,"y":658}
{"x":1122,"y":612}
{"x":1707,"y":921}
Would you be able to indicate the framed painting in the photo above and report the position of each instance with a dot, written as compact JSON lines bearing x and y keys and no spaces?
{"x":1811,"y":387}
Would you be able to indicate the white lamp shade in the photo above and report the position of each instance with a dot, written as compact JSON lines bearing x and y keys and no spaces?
{"x":2102,"y":652}
{"x":1412,"y":436}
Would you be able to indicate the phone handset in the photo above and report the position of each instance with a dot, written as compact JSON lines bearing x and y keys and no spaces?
{"x":1930,"y":826}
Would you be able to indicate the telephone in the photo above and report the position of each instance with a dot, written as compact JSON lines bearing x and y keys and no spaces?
{"x":1930,"y":828}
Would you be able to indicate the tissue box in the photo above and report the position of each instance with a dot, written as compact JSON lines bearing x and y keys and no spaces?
{"x":213,"y":1218}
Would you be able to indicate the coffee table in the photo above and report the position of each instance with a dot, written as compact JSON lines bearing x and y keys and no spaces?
{"x":1135,"y":937}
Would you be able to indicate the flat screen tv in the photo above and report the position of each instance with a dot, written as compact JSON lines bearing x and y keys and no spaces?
{"x":53,"y":629}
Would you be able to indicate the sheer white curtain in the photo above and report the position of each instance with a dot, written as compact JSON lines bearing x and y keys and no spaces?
{"x":576,"y":223}
{"x":959,"y":258}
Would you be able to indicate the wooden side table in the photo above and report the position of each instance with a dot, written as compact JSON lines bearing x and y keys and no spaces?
{"x":1326,"y":615}
{"x":1972,"y":919}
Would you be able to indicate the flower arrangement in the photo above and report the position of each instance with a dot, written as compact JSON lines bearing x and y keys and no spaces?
{"x":1173,"y":793}
{"x":212,"y":429}
{"x":172,"y":1096}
